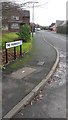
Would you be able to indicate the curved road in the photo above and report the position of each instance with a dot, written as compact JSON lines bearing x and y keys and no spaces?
{"x":33,"y":68}
{"x":51,"y":102}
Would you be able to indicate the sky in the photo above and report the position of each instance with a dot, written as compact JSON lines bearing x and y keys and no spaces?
{"x":47,"y":13}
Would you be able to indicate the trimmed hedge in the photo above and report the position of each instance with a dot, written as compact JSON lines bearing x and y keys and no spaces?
{"x":62,"y":29}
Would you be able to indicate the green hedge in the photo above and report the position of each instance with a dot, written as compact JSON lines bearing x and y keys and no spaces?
{"x":62,"y":29}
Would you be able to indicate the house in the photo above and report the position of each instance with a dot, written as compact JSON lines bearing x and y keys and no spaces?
{"x":52,"y":27}
{"x":62,"y":26}
{"x":14,"y":17}
{"x":58,"y":23}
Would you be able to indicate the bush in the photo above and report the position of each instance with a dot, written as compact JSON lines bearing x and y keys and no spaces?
{"x":61,"y":29}
{"x":25,"y":33}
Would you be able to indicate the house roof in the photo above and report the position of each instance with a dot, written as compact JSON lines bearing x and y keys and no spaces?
{"x":59,"y":22}
{"x":63,"y":24}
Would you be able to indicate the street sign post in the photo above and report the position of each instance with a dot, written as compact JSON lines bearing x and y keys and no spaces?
{"x":13,"y":44}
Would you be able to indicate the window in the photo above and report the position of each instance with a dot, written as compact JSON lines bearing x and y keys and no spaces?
{"x":15,"y":26}
{"x":15,"y":17}
{"x":5,"y":27}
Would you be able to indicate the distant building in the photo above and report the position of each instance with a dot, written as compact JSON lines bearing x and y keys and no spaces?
{"x":62,"y":26}
{"x":52,"y":27}
{"x":14,"y":18}
{"x":59,"y":22}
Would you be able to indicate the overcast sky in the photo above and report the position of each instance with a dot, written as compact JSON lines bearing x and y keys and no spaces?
{"x":48,"y":13}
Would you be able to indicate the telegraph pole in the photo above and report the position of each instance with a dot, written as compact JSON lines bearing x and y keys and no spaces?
{"x":32,"y":2}
{"x":33,"y":6}
{"x":33,"y":20}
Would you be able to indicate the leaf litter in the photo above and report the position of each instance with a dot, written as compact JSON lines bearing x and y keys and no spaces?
{"x":55,"y":80}
{"x":59,"y":76}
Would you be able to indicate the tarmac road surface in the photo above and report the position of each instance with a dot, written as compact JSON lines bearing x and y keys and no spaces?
{"x":51,"y":102}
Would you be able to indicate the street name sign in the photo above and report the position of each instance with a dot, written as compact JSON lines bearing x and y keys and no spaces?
{"x":13,"y":44}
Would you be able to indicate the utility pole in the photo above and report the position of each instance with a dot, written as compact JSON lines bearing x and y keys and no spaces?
{"x":32,"y":2}
{"x":33,"y":6}
{"x":33,"y":18}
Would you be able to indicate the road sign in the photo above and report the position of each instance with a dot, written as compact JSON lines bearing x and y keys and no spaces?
{"x":13,"y":44}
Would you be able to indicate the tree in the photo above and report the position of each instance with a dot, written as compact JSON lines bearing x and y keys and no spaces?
{"x":25,"y":33}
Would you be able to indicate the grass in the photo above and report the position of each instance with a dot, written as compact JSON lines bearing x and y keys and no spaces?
{"x":0,"y":42}
{"x":17,"y":64}
{"x":10,"y":37}
{"x":25,"y":47}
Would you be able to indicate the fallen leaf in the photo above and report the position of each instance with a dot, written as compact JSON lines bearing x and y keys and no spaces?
{"x":31,"y":103}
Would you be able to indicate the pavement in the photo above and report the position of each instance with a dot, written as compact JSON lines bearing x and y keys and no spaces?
{"x":17,"y":84}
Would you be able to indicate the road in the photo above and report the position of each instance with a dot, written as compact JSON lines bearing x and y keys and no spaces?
{"x":34,"y":67}
{"x":51,"y":102}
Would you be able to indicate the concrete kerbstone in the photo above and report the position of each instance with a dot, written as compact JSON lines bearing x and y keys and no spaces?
{"x":19,"y":106}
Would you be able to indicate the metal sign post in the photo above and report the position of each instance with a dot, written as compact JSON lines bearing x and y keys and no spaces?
{"x":6,"y":54}
{"x":13,"y":44}
{"x":20,"y":50}
{"x":14,"y":53}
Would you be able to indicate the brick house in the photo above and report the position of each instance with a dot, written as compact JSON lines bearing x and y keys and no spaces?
{"x":52,"y":27}
{"x":14,"y":18}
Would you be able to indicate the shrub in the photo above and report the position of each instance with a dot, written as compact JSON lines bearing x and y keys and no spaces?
{"x":25,"y":33}
{"x":61,"y":29}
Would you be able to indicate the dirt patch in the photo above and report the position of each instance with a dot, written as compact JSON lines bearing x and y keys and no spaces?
{"x":10,"y":56}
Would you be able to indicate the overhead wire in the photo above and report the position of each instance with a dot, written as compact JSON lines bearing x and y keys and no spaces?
{"x":27,"y":6}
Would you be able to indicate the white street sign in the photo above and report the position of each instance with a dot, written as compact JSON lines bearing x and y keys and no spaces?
{"x":13,"y":44}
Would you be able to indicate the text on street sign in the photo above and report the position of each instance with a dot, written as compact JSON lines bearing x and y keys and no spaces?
{"x":13,"y":44}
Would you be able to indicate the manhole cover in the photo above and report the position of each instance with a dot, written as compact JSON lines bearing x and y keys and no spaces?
{"x":40,"y":63}
{"x":21,"y":73}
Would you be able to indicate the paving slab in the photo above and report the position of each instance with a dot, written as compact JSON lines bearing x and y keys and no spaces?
{"x":21,"y":73}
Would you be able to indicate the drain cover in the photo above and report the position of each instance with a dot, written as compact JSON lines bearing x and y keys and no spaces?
{"x":21,"y":73}
{"x":40,"y":63}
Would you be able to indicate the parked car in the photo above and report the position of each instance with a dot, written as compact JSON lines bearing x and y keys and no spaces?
{"x":38,"y":29}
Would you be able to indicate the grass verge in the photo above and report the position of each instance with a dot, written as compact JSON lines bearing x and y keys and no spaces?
{"x":10,"y":37}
